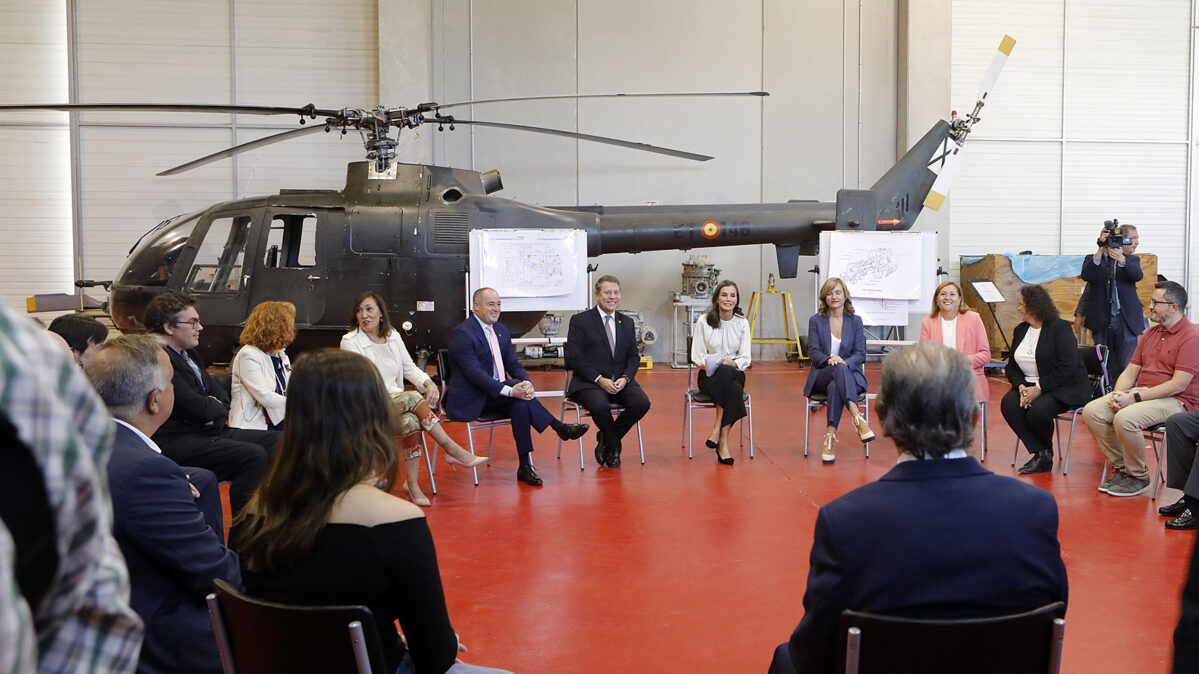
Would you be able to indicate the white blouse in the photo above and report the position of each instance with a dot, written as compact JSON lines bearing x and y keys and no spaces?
{"x":731,"y":338}
{"x":1026,"y":354}
{"x":949,"y":332}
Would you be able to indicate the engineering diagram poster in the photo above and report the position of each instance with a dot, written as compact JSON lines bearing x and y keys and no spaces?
{"x":531,"y":269}
{"x":877,"y":264}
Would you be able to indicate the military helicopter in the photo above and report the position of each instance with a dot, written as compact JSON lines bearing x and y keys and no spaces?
{"x":402,"y":229}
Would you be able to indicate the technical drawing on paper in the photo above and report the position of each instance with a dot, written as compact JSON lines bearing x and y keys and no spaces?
{"x":878,"y":264}
{"x":526,"y":268}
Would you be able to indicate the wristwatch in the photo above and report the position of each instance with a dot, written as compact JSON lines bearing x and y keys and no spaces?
{"x":1136,"y":395}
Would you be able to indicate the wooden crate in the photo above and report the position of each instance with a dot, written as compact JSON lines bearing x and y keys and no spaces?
{"x":1064,"y":291}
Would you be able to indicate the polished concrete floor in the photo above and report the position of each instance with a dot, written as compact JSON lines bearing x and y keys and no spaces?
{"x":688,"y":566}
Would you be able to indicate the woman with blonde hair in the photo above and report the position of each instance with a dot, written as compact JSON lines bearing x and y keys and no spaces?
{"x":837,"y":350}
{"x":261,"y":367}
{"x":319,"y":532}
{"x":953,"y":324}
{"x":382,"y":345}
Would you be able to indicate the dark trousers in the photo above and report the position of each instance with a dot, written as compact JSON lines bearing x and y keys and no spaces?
{"x":838,"y":384}
{"x":1034,"y":426}
{"x":1121,"y":342}
{"x":209,"y":502}
{"x":599,"y":404}
{"x":726,"y":387}
{"x":1182,"y":437}
{"x":236,"y":455}
{"x":525,"y":415}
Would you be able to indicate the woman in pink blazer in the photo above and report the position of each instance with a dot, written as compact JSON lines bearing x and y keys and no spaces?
{"x":949,"y":316}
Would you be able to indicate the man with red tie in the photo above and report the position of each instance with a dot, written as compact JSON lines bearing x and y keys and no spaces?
{"x":601,"y":350}
{"x":488,"y":380}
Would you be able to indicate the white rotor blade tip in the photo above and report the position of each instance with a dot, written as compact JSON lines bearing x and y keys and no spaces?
{"x":997,"y":63}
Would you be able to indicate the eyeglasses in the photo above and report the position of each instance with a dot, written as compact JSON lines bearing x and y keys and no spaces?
{"x":194,"y":323}
{"x":1153,"y":302}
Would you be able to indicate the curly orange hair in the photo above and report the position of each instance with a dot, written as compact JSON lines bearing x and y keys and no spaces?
{"x":271,"y":326}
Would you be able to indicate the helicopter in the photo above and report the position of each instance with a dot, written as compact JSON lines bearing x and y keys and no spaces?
{"x":402,"y":230}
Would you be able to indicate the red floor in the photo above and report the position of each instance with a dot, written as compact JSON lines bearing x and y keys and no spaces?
{"x":689,"y":566}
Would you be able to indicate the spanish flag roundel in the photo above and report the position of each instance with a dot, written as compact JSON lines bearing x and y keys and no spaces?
{"x":711,"y":229}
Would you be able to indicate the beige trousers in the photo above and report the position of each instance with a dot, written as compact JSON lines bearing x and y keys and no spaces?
{"x":1121,"y":434}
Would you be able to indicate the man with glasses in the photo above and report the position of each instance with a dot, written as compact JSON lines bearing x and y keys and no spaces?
{"x":196,"y":433}
{"x":1113,"y":312}
{"x":1158,"y":382}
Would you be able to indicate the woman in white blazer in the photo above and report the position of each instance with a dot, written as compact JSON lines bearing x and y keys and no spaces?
{"x":261,"y":367}
{"x":381,"y":344}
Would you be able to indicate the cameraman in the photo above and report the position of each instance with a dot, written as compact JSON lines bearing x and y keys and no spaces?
{"x":1113,"y":312}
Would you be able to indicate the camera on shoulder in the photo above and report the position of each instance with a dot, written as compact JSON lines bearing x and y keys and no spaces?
{"x":1113,"y":235}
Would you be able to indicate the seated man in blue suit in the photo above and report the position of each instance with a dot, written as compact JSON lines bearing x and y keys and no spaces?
{"x":938,"y":536}
{"x":166,"y":519}
{"x":601,"y":350}
{"x":487,"y":379}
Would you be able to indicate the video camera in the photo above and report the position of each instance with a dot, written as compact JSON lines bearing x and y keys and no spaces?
{"x":1113,"y":236}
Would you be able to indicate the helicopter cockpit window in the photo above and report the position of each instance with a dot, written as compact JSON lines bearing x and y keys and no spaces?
{"x":151,"y":262}
{"x":218,"y":264}
{"x":291,"y":241}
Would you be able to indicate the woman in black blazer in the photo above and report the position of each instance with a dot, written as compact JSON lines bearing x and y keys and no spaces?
{"x":1047,"y":375}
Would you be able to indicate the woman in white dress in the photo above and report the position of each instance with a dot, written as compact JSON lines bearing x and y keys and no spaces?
{"x":261,"y":368}
{"x":381,"y":344}
{"x":721,"y":338}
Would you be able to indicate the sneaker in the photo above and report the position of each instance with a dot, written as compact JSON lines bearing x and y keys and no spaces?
{"x":1106,"y":484}
{"x":1128,"y":485}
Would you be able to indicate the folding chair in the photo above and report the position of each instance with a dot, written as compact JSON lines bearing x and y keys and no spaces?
{"x":694,"y":399}
{"x":581,"y":412}
{"x":1028,"y":642}
{"x":261,"y":637}
{"x":489,"y":421}
{"x":1156,"y":435}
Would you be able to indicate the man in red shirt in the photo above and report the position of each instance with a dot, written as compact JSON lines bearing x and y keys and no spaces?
{"x":1158,"y":382}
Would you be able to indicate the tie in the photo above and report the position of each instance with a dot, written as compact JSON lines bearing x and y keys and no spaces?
{"x":495,"y":353}
{"x":611,"y":331}
{"x":280,"y":377}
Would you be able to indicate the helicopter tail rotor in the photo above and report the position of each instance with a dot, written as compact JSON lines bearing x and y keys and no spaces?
{"x":950,"y":158}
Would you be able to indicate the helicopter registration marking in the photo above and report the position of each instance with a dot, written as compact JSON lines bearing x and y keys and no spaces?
{"x":711,"y":229}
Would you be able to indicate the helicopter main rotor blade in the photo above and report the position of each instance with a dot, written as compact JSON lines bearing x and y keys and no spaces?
{"x":236,"y":149}
{"x":645,"y":147}
{"x":580,"y":96}
{"x":164,"y":107}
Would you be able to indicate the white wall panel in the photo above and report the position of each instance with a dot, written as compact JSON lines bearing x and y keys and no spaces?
{"x":1026,"y":101}
{"x":1128,"y":69}
{"x":294,"y":53}
{"x":154,"y":51}
{"x":1141,"y":184}
{"x":123,"y":199}
{"x":35,"y":220}
{"x":35,"y":180}
{"x":1006,"y":200}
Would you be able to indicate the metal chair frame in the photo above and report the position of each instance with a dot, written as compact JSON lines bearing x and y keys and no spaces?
{"x":694,"y":399}
{"x":1156,"y":435}
{"x":1094,"y":357}
{"x":486,"y":421}
{"x":817,"y":400}
{"x":580,"y":413}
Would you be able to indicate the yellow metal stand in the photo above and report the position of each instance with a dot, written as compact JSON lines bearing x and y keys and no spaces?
{"x":792,"y":338}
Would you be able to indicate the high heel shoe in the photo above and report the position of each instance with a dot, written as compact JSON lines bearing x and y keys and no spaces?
{"x":422,"y":500}
{"x":474,"y":460}
{"x":829,"y":453}
{"x":721,"y":459}
{"x":710,"y":444}
{"x":863,"y":428}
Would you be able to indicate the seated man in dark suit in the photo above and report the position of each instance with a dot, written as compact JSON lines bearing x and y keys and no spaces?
{"x":488,"y":379}
{"x":601,"y":350}
{"x":196,"y":433}
{"x":166,"y":519}
{"x":938,"y":536}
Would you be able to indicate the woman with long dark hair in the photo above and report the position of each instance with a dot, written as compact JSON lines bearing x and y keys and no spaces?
{"x":375,"y":339}
{"x":720,"y":349}
{"x":320,"y":532}
{"x":837,"y":350}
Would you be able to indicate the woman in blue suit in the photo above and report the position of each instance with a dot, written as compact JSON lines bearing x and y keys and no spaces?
{"x":837,"y":349}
